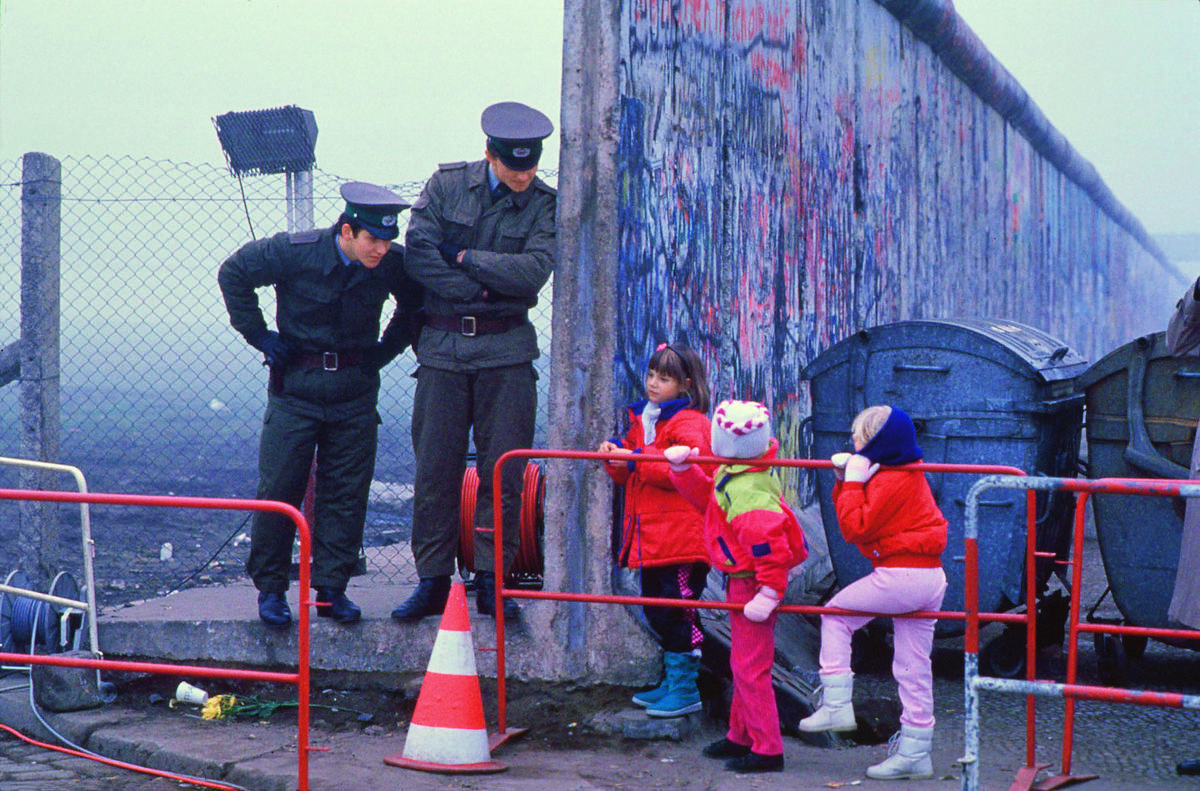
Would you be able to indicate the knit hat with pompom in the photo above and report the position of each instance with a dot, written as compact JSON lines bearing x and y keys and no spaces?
{"x":741,"y":430}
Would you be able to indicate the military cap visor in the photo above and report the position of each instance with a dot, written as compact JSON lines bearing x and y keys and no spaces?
{"x":375,"y":208}
{"x":516,"y":154}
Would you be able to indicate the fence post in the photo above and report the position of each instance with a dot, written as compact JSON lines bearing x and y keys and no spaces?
{"x":41,"y":212}
{"x":299,"y":200}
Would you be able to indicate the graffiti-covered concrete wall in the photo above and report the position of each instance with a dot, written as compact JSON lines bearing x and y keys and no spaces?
{"x":791,"y":171}
{"x":762,"y":178}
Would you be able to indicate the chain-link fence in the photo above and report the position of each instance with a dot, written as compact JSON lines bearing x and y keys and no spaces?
{"x":159,"y":395}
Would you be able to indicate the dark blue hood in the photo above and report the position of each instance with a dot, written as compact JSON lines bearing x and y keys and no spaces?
{"x":895,"y":443}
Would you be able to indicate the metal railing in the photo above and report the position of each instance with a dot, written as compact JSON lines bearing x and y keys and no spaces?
{"x":300,"y":678}
{"x":593,"y":598}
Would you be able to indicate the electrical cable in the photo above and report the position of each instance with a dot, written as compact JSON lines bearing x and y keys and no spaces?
{"x":246,"y":207}
{"x":211,"y":558}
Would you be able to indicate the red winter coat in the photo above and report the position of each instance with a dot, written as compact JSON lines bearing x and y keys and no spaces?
{"x":748,"y":525}
{"x":660,"y":528}
{"x":892,"y":519}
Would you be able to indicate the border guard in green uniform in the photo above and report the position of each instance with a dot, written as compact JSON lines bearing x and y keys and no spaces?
{"x":330,"y":287}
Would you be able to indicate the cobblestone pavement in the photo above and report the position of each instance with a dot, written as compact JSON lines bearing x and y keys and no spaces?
{"x":25,"y":767}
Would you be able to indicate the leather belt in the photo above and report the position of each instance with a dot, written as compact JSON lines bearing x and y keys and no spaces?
{"x":470,"y":326}
{"x":329,"y":361}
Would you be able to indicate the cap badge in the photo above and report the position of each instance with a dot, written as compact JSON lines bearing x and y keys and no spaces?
{"x":388,"y":220}
{"x":521,"y":153}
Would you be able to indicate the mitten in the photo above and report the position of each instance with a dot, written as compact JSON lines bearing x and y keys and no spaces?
{"x":762,"y":605}
{"x":678,"y":455}
{"x":860,"y":469}
{"x":839,"y":464}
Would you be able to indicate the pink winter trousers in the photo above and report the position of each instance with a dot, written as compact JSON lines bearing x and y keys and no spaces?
{"x":891,"y":590}
{"x":753,"y":716}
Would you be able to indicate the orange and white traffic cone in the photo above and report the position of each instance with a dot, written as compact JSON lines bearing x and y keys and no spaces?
{"x":448,"y":733}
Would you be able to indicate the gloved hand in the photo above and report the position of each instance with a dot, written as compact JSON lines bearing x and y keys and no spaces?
{"x":839,"y":464}
{"x":860,"y":469}
{"x":276,"y":351}
{"x":374,"y":358}
{"x":678,"y":455}
{"x":449,"y":252}
{"x":762,"y":605}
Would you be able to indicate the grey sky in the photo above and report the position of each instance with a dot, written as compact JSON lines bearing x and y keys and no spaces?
{"x":397,"y":85}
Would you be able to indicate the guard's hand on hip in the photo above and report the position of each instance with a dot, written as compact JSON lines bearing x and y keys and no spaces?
{"x":276,"y":351}
{"x":860,"y":469}
{"x":762,"y":605}
{"x":678,"y":455}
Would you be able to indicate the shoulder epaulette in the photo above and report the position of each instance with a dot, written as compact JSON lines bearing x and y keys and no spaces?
{"x":452,"y":165}
{"x":304,"y":237}
{"x":544,"y":187}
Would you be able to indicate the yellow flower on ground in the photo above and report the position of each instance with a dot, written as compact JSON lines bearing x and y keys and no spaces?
{"x":218,"y":706}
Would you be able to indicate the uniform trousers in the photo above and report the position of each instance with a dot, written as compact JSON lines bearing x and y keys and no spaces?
{"x":336,"y":419}
{"x":891,"y":590}
{"x":499,"y":405}
{"x":753,"y":714}
{"x":678,"y":629}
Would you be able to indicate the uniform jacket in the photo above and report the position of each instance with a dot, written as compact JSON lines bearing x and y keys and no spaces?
{"x":321,"y":304}
{"x":661,"y":527}
{"x":893,"y":519}
{"x":510,"y":246}
{"x":748,"y":526}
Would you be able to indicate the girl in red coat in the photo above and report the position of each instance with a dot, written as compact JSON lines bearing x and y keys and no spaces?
{"x":663,"y":535}
{"x":893,"y":519}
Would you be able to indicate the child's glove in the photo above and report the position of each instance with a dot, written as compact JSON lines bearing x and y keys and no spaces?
{"x":839,"y":464}
{"x":678,"y":455}
{"x":860,"y":469}
{"x":762,"y":605}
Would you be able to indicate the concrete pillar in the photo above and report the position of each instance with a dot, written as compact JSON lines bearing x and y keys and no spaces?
{"x":41,"y":195}
{"x":597,"y":642}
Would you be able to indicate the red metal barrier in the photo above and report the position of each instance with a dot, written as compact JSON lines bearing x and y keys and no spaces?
{"x":300,"y":678}
{"x":541,"y":453}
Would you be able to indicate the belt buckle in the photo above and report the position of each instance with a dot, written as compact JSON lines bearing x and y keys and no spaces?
{"x":465,"y":322}
{"x":329,"y":361}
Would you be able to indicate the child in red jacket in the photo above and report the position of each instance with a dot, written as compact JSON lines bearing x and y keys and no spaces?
{"x":754,"y":538}
{"x":893,"y":519}
{"x":663,"y":535}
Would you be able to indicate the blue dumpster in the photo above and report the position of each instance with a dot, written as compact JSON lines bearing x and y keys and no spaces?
{"x":980,"y":391}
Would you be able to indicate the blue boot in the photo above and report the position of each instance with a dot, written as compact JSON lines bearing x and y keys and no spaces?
{"x":651,"y":696}
{"x":682,"y":695}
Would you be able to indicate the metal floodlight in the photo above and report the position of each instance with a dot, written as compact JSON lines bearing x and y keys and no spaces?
{"x":258,"y":142}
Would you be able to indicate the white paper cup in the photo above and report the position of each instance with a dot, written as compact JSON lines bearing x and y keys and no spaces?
{"x":186,"y":693}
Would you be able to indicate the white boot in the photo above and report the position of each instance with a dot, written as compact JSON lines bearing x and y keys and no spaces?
{"x":908,"y":756}
{"x":837,"y":706}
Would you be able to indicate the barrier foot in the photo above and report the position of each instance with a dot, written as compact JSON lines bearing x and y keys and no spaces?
{"x":1062,"y":781}
{"x":1026,"y":776}
{"x":501,"y":738}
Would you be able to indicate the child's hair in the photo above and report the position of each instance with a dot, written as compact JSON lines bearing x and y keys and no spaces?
{"x":868,"y":422}
{"x":683,"y":364}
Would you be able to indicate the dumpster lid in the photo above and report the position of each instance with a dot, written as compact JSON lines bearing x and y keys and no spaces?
{"x":1153,"y":346}
{"x":1043,"y":354}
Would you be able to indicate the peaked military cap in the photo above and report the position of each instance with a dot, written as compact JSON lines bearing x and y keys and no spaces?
{"x":515,"y":132}
{"x":375,"y":208}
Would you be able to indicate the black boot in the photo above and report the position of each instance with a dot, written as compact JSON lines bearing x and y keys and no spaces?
{"x":340,"y":608}
{"x":752,"y":763}
{"x":428,"y":599}
{"x":723,"y":748}
{"x":485,"y":597}
{"x":273,"y":609}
